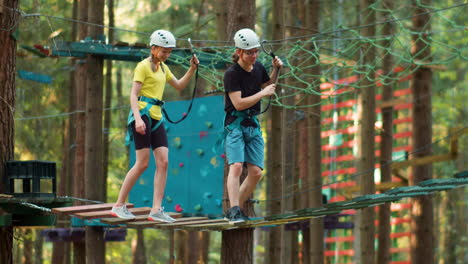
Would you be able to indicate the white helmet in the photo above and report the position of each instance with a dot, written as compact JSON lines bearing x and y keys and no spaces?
{"x":246,"y":39}
{"x":162,"y":38}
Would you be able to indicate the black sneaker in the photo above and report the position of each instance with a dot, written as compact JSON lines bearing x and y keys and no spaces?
{"x":234,"y":215}
{"x":245,"y":217}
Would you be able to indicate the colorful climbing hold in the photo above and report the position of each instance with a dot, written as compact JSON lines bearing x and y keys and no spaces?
{"x":209,"y":124}
{"x":178,"y":208}
{"x":203,"y":134}
{"x":181,"y":164}
{"x":208,"y":195}
{"x":200,"y":152}
{"x":223,"y":156}
{"x":198,"y":207}
{"x":168,"y":199}
{"x":177,"y":142}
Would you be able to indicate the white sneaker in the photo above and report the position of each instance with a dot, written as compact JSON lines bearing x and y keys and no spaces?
{"x":122,"y":212}
{"x":160,"y":216}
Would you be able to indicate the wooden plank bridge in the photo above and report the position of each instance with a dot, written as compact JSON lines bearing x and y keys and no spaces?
{"x":201,"y":223}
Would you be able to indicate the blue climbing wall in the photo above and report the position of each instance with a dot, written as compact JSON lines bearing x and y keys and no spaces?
{"x":196,"y":166}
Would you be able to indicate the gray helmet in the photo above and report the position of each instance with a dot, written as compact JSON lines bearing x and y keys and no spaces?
{"x":162,"y":38}
{"x":246,"y":39}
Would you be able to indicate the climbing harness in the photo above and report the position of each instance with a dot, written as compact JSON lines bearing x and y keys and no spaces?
{"x":248,"y":114}
{"x":156,"y":102}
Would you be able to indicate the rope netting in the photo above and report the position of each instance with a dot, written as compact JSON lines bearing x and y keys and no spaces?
{"x":338,"y":50}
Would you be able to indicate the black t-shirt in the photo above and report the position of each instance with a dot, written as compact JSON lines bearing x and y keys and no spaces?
{"x":249,"y":83}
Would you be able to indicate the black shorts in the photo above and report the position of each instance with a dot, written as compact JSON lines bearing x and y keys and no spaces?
{"x":155,"y":139}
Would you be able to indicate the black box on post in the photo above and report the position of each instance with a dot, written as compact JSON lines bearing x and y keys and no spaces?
{"x":35,"y":176}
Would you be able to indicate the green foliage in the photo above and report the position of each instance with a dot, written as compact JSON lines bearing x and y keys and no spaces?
{"x":40,"y":110}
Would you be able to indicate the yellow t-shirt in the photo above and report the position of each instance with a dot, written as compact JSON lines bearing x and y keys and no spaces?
{"x":153,"y":84}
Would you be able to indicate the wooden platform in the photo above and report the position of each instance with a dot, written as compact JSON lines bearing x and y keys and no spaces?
{"x":102,"y":212}
{"x":201,"y":223}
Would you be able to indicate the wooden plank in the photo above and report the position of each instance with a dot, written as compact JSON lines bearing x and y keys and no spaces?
{"x":85,"y":208}
{"x":118,"y":221}
{"x":190,"y":225}
{"x":143,"y":224}
{"x":214,"y":224}
{"x":107,"y":213}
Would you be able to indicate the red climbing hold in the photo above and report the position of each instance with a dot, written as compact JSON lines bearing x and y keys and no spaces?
{"x":178,"y":208}
{"x":203,"y":134}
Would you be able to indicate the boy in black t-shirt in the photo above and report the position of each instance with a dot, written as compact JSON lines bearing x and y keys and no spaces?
{"x":246,"y":83}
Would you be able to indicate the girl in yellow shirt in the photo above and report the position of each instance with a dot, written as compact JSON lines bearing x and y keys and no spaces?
{"x":149,"y":81}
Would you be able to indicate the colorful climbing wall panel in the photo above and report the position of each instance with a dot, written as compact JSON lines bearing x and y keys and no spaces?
{"x":196,"y":163}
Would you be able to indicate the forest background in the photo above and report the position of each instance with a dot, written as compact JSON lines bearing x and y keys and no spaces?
{"x":43,"y":111}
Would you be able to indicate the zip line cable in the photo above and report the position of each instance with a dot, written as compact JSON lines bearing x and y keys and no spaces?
{"x":23,"y":14}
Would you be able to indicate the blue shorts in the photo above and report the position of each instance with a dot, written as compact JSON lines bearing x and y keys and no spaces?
{"x":245,"y":144}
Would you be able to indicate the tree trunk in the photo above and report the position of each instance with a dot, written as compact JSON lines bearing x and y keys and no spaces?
{"x":237,"y":244}
{"x":205,"y":247}
{"x":297,"y":21}
{"x":62,"y":250}
{"x":315,"y":142}
{"x":386,"y":134}
{"x":180,"y":238}
{"x":221,"y":18}
{"x":242,"y":16}
{"x":275,"y":150}
{"x":27,"y":246}
{"x":139,"y":249}
{"x":38,"y":248}
{"x":171,"y":246}
{"x":7,"y":106}
{"x":290,"y":241}
{"x":79,"y":249}
{"x":94,"y":180}
{"x":455,"y":247}
{"x":108,"y":96}
{"x":366,"y":135}
{"x":192,"y":247}
{"x":422,"y":220}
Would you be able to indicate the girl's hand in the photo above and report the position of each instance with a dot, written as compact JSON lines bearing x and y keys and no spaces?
{"x":140,"y":126}
{"x":194,"y":61}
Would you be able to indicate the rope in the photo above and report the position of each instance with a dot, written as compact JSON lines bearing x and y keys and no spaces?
{"x":30,"y":205}
{"x":189,"y":107}
{"x":81,"y":199}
